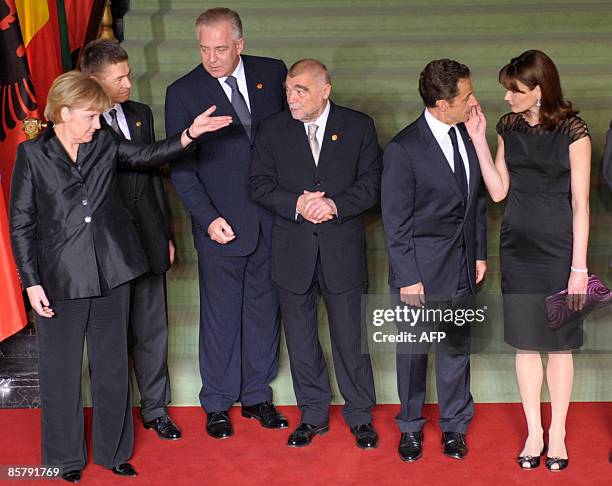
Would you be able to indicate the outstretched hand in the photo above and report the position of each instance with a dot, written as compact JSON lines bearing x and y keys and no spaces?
{"x":477,"y":123}
{"x":204,"y":122}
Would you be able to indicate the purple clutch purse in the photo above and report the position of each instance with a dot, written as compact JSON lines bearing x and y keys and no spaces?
{"x":559,"y":314}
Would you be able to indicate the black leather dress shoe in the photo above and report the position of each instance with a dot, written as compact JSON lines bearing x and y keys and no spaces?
{"x":219,"y":425}
{"x":165,"y":428}
{"x":411,"y":446}
{"x":454,"y":445}
{"x":302,"y":436}
{"x":365,"y":436}
{"x":267,"y":415}
{"x":72,"y":476}
{"x":125,"y":469}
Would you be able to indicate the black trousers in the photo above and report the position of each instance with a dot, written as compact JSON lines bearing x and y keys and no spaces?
{"x":452,"y":374}
{"x":308,"y":367}
{"x":104,"y":321}
{"x":148,"y":343}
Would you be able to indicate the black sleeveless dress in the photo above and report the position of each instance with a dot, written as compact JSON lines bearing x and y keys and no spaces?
{"x":536,"y":233}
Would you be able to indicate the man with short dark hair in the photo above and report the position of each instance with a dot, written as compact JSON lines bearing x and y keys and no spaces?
{"x":317,"y":168}
{"x":143,"y":194}
{"x":239,"y":318}
{"x":434,"y":214}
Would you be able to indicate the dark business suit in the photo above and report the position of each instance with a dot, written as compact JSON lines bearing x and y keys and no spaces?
{"x":607,"y":158}
{"x":239,"y":326}
{"x":72,"y":235}
{"x":143,"y":194}
{"x":435,"y":237}
{"x":329,"y":255}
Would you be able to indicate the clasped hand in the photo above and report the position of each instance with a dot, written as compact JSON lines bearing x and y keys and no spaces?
{"x":315,"y":207}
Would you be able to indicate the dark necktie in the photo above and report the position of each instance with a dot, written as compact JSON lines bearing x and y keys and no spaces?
{"x":458,"y":162}
{"x":114,"y":123}
{"x":239,"y":104}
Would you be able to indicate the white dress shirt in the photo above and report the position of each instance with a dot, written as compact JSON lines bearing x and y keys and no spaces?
{"x":242,"y":84}
{"x":440,"y":132}
{"x":121,"y":120}
{"x":321,"y":123}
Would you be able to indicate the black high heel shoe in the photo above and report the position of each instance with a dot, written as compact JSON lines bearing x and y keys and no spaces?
{"x":533,"y":461}
{"x":561,"y":463}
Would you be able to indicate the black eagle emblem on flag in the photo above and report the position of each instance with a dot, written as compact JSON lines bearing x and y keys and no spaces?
{"x":17,"y":97}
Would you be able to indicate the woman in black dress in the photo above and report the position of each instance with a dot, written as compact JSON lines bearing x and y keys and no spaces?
{"x":542,"y":169}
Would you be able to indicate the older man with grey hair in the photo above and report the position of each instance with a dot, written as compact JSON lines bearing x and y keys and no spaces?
{"x":239,"y":318}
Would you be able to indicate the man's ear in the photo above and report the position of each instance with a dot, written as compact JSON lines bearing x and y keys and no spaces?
{"x":240,"y":45}
{"x":327,"y":90}
{"x":442,"y":105}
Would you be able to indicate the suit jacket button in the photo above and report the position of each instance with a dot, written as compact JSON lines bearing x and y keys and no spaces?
{"x":88,"y":219}
{"x":317,"y":182}
{"x":314,"y":233}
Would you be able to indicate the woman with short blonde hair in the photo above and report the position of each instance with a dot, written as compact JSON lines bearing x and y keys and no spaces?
{"x":76,"y":250}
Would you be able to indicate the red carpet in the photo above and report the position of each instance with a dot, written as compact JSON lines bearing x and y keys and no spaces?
{"x":259,"y":456}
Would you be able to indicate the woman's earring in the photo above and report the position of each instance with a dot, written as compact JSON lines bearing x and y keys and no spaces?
{"x":538,"y":103}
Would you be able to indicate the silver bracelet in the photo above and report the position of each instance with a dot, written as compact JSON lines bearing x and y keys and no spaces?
{"x":579,"y":270}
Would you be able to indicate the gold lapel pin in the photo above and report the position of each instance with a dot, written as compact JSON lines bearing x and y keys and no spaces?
{"x":259,"y":86}
{"x":138,"y":124}
{"x":334,"y":137}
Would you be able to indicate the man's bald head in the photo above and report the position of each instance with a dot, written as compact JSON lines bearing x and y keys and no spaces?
{"x":311,"y":66}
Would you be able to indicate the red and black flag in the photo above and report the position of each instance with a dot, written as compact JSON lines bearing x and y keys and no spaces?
{"x":17,"y":94}
{"x":36,"y":41}
{"x":17,"y":102}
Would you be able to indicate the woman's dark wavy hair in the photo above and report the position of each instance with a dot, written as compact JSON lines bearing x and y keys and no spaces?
{"x":534,"y":68}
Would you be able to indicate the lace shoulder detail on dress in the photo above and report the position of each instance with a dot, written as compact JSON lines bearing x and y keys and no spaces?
{"x":575,"y":128}
{"x":508,"y":122}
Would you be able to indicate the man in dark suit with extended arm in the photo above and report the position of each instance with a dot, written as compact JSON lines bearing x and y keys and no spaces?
{"x":142,"y":193}
{"x":239,"y":323}
{"x":434,"y":214}
{"x":317,"y":167}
